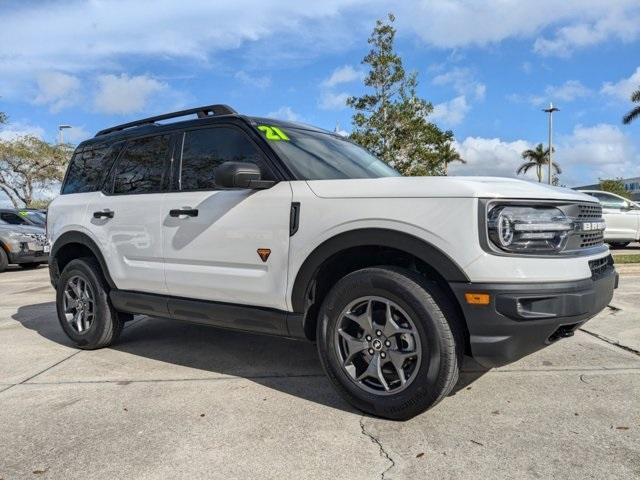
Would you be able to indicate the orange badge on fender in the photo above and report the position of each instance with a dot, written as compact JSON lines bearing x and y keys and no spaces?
{"x":264,"y":253}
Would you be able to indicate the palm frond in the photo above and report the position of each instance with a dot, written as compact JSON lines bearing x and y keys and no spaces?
{"x":525,"y":167}
{"x":631,"y":116}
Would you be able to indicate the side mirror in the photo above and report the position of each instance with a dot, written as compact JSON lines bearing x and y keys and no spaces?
{"x":240,"y":175}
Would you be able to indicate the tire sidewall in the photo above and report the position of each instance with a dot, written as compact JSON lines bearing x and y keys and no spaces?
{"x":426,"y":387}
{"x":92,"y":337}
{"x":4,"y":259}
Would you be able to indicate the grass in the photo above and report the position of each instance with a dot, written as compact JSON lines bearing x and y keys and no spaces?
{"x":628,"y":258}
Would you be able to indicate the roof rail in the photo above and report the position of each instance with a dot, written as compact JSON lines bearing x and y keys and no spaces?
{"x":201,"y":112}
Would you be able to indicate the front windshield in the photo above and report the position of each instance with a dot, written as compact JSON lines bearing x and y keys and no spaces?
{"x":34,"y":217}
{"x":314,"y":155}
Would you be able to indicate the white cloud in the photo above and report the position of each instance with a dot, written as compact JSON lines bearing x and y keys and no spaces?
{"x":568,"y":91}
{"x":58,"y":90}
{"x":623,"y":88}
{"x":490,"y":156}
{"x":621,"y":21}
{"x":121,"y":94}
{"x":587,"y":154}
{"x":257,"y":81}
{"x":285,"y":113}
{"x":463,"y":82}
{"x":20,"y":129}
{"x":599,"y":151}
{"x":341,"y":75}
{"x":333,"y":101}
{"x":452,"y":112}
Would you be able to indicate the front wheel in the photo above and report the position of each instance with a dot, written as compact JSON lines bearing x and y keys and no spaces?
{"x":388,"y":341}
{"x":84,"y":309}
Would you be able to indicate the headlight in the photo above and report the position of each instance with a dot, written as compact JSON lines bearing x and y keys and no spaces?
{"x":528,"y":229}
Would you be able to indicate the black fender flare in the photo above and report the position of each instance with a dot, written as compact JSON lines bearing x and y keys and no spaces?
{"x":82,"y":239}
{"x":367,"y":237}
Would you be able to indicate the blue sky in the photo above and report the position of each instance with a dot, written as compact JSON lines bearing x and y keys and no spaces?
{"x":488,"y":67}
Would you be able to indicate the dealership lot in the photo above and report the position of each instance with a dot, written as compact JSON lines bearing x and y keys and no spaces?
{"x":175,"y":400}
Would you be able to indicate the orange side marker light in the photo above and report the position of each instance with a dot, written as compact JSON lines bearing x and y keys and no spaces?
{"x":477,"y":298}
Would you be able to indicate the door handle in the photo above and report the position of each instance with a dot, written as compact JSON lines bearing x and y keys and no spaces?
{"x":106,"y":213}
{"x":189,"y":212}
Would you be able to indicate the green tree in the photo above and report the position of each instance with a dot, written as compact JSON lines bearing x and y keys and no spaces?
{"x":537,"y":158}
{"x":28,"y":163}
{"x":634,"y":112}
{"x":614,"y":186}
{"x":391,"y":120}
{"x":447,"y":154}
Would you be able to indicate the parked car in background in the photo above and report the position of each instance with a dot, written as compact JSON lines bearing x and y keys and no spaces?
{"x":22,"y":244}
{"x":622,"y":217}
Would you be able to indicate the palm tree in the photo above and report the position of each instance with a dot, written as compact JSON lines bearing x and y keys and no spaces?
{"x":538,"y":158}
{"x":448,"y":154}
{"x":634,"y":112}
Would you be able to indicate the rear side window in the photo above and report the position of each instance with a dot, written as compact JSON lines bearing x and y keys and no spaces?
{"x":88,"y":169}
{"x":142,"y":166}
{"x":204,"y":149}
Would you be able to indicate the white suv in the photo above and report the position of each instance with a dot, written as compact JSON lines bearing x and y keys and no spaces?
{"x":281,"y":228}
{"x":622,"y":217}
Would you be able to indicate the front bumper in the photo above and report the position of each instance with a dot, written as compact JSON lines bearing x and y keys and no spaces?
{"x":28,"y":256}
{"x":522,"y":318}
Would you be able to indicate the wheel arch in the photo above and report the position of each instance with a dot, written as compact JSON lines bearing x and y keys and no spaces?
{"x":72,"y":245}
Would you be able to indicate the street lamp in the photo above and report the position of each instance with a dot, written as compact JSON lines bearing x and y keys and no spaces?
{"x":60,"y":134}
{"x":550,"y":111}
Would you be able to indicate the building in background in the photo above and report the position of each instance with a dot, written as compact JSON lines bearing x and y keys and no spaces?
{"x":632,"y":185}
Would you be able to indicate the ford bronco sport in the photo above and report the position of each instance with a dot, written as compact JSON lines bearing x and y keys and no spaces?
{"x":281,"y":228}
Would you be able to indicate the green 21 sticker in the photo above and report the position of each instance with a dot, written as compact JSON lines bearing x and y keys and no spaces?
{"x":273,"y":133}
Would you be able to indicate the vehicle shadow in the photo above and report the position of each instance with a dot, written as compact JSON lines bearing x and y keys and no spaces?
{"x":285,"y":365}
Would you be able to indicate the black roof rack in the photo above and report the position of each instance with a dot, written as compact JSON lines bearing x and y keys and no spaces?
{"x":202,"y":112}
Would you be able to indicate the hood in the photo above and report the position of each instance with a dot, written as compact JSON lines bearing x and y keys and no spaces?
{"x":5,"y":227}
{"x":445,"y":187}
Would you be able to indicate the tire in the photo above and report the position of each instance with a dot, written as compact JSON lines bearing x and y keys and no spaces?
{"x":619,"y":244}
{"x":105,"y":323}
{"x":29,"y":266}
{"x":4,"y":260}
{"x":429,"y":377}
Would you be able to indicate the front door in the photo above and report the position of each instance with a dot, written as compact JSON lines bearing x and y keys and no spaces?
{"x":219,"y":244}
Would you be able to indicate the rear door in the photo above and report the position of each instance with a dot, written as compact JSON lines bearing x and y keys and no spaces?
{"x":126,"y":217}
{"x":212,"y":251}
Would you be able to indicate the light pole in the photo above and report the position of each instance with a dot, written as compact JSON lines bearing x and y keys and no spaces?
{"x":550,"y":111}
{"x":60,"y":133}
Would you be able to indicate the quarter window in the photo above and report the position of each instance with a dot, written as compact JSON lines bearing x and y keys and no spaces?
{"x":141,"y":167}
{"x":88,"y":169}
{"x":205,"y":149}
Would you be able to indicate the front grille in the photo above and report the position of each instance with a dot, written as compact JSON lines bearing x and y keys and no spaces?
{"x":589,"y":210}
{"x":600,"y":266}
{"x":588,"y":240}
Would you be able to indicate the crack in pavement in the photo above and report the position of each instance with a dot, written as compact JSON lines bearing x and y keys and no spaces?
{"x":383,"y":453}
{"x":42,"y":371}
{"x":610,"y":341}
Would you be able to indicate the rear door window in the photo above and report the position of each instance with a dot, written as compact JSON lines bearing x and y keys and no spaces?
{"x":13,"y":218}
{"x":142,"y":166}
{"x":206,"y":148}
{"x":88,"y":168}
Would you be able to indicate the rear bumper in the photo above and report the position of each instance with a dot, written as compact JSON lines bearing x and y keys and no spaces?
{"x":523,"y":318}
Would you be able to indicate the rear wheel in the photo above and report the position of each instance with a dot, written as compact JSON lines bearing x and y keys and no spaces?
{"x":388,"y":341}
{"x":84,"y":309}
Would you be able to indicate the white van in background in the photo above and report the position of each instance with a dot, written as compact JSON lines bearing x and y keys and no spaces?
{"x":622,"y":217}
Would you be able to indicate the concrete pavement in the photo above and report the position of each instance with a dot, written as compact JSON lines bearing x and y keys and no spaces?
{"x":175,"y":400}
